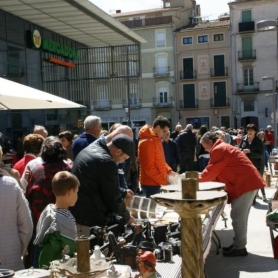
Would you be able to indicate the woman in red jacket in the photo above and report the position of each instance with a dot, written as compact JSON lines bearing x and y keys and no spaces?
{"x":231,"y":166}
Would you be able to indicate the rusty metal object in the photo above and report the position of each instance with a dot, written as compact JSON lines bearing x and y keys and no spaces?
{"x":189,"y":188}
{"x":83,"y":256}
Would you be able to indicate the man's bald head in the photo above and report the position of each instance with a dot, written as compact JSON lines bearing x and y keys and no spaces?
{"x":122,"y":129}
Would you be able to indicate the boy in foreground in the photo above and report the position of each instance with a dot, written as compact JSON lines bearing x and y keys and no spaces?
{"x":56,"y":227}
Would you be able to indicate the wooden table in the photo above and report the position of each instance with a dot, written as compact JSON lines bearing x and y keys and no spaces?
{"x":203,"y":186}
{"x":191,"y":240}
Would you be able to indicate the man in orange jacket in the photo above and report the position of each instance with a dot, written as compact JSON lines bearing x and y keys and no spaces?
{"x":153,"y":167}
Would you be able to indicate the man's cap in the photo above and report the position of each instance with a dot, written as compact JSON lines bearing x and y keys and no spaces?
{"x":125,"y":143}
{"x":148,"y":258}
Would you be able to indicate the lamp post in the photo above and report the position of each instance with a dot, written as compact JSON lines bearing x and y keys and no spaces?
{"x":128,"y":87}
{"x":273,"y":105}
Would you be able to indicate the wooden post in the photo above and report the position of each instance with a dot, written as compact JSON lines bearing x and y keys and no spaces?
{"x":192,"y":247}
{"x":189,"y":188}
{"x":192,"y":175}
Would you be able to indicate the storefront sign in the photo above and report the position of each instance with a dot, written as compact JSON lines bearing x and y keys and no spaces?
{"x":53,"y":47}
{"x":61,"y":62}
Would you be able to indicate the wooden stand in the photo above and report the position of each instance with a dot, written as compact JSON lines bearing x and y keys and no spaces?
{"x":191,"y":237}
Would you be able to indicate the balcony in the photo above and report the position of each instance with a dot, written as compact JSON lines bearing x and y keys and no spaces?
{"x":247,"y":55}
{"x":162,"y":102}
{"x":191,"y":74}
{"x":219,"y":102}
{"x":134,"y":103}
{"x":161,"y":71}
{"x":102,"y":105}
{"x":246,"y":26}
{"x":147,"y":22}
{"x":219,"y":72}
{"x":158,"y":20}
{"x":242,"y":88}
{"x":133,"y":23}
{"x":189,"y":104}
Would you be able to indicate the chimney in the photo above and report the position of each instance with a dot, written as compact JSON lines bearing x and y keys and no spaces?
{"x":118,"y":11}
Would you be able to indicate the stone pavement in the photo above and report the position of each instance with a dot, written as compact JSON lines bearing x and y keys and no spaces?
{"x":260,"y":262}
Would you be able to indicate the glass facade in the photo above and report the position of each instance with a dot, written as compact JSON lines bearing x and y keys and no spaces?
{"x":20,"y":62}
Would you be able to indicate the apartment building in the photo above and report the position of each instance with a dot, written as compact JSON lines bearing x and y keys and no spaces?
{"x":204,"y":94}
{"x":254,"y":56}
{"x":158,"y":64}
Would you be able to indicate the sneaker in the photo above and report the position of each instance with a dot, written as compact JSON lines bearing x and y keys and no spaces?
{"x":228,"y":249}
{"x":236,"y":253}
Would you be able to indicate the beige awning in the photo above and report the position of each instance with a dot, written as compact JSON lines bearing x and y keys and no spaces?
{"x":79,"y":20}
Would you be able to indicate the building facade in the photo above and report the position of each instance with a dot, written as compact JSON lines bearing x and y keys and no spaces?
{"x":157,"y":26}
{"x":40,"y":49}
{"x":254,"y":56}
{"x":203,"y":67}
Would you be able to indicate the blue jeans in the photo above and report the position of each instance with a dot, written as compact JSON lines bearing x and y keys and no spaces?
{"x":203,"y":162}
{"x":150,"y":189}
{"x":239,"y":215}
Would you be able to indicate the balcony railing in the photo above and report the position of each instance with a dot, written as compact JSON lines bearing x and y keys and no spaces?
{"x":147,"y":21}
{"x":133,"y":103}
{"x":189,"y":104}
{"x":243,"y":88}
{"x":219,"y":102}
{"x":100,"y":105}
{"x":161,"y":71}
{"x":219,"y":72}
{"x":163,"y":102}
{"x":133,"y":23}
{"x":247,"y":55}
{"x":246,"y":26}
{"x":191,"y":74}
{"x":158,"y":20}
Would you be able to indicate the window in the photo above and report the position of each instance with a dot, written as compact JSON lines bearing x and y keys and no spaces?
{"x":219,"y":94}
{"x":188,"y":72}
{"x":102,"y":97}
{"x":163,"y":94}
{"x":160,"y":38}
{"x":247,"y":48}
{"x":248,"y":77}
{"x":189,"y":96}
{"x":133,"y":95}
{"x":202,"y":39}
{"x":218,"y":37}
{"x":225,"y":121}
{"x":246,"y":16}
{"x":161,"y":65}
{"x":219,"y":65}
{"x":249,"y":105}
{"x":187,"y":40}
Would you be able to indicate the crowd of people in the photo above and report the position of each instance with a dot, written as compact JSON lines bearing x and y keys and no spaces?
{"x":63,"y":186}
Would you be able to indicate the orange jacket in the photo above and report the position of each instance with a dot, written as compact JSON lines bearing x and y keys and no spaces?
{"x":153,"y":167}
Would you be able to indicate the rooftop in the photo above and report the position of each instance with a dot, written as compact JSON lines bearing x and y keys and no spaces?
{"x":242,"y":1}
{"x":149,"y":11}
{"x":206,"y":25}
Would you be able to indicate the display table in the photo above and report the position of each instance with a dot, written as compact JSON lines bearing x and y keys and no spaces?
{"x":191,"y":241}
{"x":203,"y":186}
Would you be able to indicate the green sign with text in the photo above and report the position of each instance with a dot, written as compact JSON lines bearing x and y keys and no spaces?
{"x":53,"y":47}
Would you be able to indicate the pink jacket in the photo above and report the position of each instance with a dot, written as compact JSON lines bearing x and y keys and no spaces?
{"x":232,"y":167}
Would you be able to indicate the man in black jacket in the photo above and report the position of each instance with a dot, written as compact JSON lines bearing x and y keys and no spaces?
{"x":187,"y":142}
{"x":99,"y":194}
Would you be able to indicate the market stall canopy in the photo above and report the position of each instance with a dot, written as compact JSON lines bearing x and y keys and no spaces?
{"x":79,"y":20}
{"x":17,"y":96}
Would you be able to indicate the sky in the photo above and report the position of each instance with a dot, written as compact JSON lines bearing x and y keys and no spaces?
{"x":209,"y":8}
